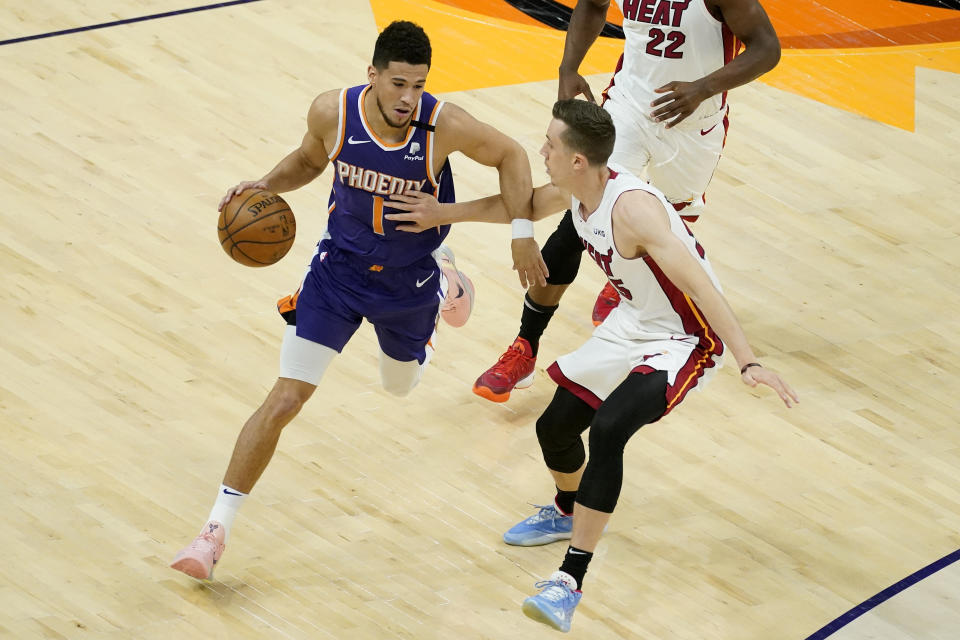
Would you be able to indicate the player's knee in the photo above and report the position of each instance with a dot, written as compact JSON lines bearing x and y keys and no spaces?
{"x":608,"y":436}
{"x":282,"y":406}
{"x":562,"y":252}
{"x":563,"y":270}
{"x":550,"y":426}
{"x":399,"y":378}
{"x":400,"y":387}
{"x":563,"y":263}
{"x":562,"y":447}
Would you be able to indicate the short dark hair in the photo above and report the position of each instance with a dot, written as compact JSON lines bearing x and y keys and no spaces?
{"x":402,"y":41}
{"x":590,"y":129}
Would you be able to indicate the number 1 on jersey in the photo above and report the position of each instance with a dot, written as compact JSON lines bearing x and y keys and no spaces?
{"x":378,"y":215}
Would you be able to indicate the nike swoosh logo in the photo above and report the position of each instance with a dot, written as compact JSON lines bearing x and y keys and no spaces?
{"x":232,"y":493}
{"x":420,"y":284}
{"x":350,"y":140}
{"x":703,"y":133}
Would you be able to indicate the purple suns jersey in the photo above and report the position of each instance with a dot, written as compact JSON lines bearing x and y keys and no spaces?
{"x":367,"y":171}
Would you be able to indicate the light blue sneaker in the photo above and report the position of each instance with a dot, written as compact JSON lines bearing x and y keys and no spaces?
{"x":555,"y":604}
{"x":546,"y":526}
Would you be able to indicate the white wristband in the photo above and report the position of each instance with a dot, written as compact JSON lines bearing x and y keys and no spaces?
{"x":522,"y":228}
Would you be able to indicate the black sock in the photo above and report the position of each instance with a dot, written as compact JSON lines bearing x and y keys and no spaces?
{"x":565,"y":500}
{"x":575,"y":563}
{"x":534,"y":321}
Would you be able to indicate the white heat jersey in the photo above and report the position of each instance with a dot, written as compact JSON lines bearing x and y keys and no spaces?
{"x":668,"y":40}
{"x":658,"y":307}
{"x":656,"y":327}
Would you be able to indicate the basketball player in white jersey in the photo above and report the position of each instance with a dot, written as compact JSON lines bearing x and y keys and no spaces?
{"x":670,"y":331}
{"x":668,"y":103}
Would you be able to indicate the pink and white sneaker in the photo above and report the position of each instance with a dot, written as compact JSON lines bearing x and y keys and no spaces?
{"x":199,"y":557}
{"x":458,"y":304}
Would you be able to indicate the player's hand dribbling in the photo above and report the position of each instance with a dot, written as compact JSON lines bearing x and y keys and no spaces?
{"x":240,"y":188}
{"x":759,"y":375}
{"x":528,"y":263}
{"x":419,"y":211}
{"x":572,"y":84}
{"x":681,"y":99}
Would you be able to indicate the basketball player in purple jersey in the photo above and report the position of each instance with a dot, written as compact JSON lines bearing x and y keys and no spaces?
{"x":382,"y":138}
{"x":668,"y":103}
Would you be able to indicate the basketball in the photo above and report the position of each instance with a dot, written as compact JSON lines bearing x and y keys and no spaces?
{"x":256,"y":228}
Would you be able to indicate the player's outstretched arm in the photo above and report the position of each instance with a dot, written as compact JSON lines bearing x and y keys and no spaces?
{"x":307,"y":161}
{"x":643,"y":227}
{"x":457,"y":130}
{"x":750,"y":24}
{"x":420,"y":211}
{"x":586,"y":23}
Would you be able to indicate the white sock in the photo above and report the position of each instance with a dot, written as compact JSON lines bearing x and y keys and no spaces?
{"x":225,"y":508}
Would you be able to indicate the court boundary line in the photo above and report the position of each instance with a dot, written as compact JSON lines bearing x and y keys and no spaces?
{"x":115,"y":23}
{"x":884,"y":595}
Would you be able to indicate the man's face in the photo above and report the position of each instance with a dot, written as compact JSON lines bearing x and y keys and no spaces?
{"x":558,"y":159}
{"x":398,"y":89}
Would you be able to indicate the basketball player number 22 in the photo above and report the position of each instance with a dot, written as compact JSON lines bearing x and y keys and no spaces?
{"x":658,"y":37}
{"x":378,"y":215}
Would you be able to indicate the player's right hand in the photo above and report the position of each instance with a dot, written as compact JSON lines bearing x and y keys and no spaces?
{"x":528,"y":262}
{"x":572,"y":84}
{"x":240,"y":188}
{"x":418,"y":211}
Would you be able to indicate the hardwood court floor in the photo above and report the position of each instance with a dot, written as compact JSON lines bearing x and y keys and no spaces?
{"x":132,"y":350}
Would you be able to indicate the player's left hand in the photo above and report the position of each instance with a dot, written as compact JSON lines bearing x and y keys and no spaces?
{"x":528,"y":263}
{"x":760,"y":375}
{"x":418,"y":210}
{"x":681,"y":99}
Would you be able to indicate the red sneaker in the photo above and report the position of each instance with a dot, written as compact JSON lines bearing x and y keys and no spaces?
{"x":606,"y":302}
{"x":514,"y":370}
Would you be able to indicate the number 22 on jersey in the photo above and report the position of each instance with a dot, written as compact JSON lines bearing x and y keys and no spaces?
{"x":674,"y":40}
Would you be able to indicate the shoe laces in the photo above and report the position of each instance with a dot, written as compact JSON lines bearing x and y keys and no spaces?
{"x":556,"y":592}
{"x":547,"y":512}
{"x":206,"y":538}
{"x":508,"y":361}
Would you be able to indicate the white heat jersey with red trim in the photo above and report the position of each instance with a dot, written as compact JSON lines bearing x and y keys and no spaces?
{"x":656,"y":327}
{"x":668,"y":40}
{"x":654,"y":303}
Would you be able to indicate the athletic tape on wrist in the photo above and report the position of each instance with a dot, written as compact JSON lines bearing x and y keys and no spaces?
{"x":522,"y":228}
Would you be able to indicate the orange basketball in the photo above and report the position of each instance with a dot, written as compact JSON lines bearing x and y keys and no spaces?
{"x":256,"y":228}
